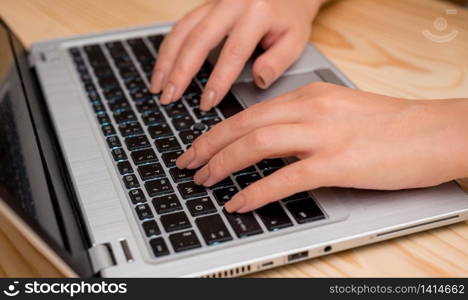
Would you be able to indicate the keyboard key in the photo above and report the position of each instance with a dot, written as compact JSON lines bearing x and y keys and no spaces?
{"x":108,"y":129}
{"x":201,"y":114}
{"x":158,"y":187}
{"x":212,"y":121}
{"x":130,"y":181}
{"x":165,"y":204}
{"x":151,"y":171}
{"x":229,"y":106}
{"x":151,"y":228}
{"x":137,"y":196}
{"x":223,"y":183}
{"x":243,"y":224}
{"x":160,"y":131}
{"x":128,"y":129}
{"x":123,"y":116}
{"x":118,"y":104}
{"x":188,"y":136}
{"x":94,"y":97}
{"x":192,"y":99}
{"x":170,"y":158}
{"x":201,"y":206}
{"x":175,"y":221}
{"x":250,"y":169}
{"x":137,"y":88}
{"x":107,"y":84}
{"x":140,"y":50}
{"x":182,"y":123}
{"x":143,"y":211}
{"x":247,"y":179}
{"x":103,"y":119}
{"x":302,"y":195}
{"x":175,"y":110}
{"x":119,"y":154}
{"x":153,"y":117}
{"x":145,"y":104}
{"x":137,"y":142}
{"x":141,"y":96}
{"x":213,"y":229}
{"x":223,"y":195}
{"x":124,"y":167}
{"x":199,"y":126}
{"x":156,"y":40}
{"x":271,"y":164}
{"x":184,"y":241}
{"x":274,"y":217}
{"x":113,"y":142}
{"x":191,"y":190}
{"x":268,"y":172}
{"x":304,"y":210}
{"x":98,"y":107}
{"x":103,"y":72}
{"x":167,"y":144}
{"x":179,"y":175}
{"x":193,"y":88}
{"x":114,"y":94}
{"x":159,"y":247}
{"x":144,"y":156}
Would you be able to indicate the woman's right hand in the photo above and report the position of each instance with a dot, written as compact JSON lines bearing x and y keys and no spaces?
{"x":282,"y":27}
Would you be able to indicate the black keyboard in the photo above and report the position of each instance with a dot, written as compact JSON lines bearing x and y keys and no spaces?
{"x":145,"y":138}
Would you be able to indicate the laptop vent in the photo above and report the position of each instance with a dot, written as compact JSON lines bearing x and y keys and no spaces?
{"x":239,"y":271}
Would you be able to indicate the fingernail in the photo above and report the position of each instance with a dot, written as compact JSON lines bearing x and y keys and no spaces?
{"x":235,"y":204}
{"x":266,"y":75}
{"x":202,"y":176}
{"x":168,"y":93}
{"x":156,"y":82}
{"x":185,"y":159}
{"x":208,"y":99}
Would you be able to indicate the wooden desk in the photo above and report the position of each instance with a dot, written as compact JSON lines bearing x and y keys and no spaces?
{"x":378,"y":44}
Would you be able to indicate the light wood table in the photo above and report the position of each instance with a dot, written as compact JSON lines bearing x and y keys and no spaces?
{"x":378,"y":44}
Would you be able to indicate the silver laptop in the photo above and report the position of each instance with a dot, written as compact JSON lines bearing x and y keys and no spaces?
{"x":87,"y":161}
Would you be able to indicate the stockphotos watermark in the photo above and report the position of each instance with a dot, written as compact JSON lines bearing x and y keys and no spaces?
{"x":70,"y":289}
{"x":443,"y":34}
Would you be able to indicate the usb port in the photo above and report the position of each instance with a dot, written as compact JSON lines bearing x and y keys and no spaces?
{"x":267,"y":264}
{"x":298,"y":255}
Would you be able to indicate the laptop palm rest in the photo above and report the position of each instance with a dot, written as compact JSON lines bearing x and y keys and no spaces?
{"x":249,"y":94}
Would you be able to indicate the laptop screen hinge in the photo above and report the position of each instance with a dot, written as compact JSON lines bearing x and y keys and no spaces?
{"x":102,"y":257}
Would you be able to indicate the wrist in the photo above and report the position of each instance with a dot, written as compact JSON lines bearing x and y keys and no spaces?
{"x":451,"y":132}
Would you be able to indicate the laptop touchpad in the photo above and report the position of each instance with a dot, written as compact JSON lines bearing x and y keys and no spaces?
{"x":250,"y":94}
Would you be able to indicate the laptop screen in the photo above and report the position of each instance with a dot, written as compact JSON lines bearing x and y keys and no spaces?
{"x":23,"y":184}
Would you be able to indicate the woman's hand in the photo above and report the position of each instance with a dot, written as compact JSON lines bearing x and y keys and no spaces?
{"x":342,"y":137}
{"x":282,"y":27}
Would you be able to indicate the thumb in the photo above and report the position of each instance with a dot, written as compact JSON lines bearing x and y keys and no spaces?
{"x":282,"y":54}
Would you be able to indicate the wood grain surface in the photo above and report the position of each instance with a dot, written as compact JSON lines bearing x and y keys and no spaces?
{"x":379,"y":45}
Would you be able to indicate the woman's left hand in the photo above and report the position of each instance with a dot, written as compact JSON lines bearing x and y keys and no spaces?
{"x":342,"y":137}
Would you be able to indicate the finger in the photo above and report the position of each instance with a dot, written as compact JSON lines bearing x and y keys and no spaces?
{"x":233,"y":128}
{"x":281,"y":55}
{"x":171,"y":44}
{"x":202,"y":39}
{"x":239,"y":46}
{"x":300,"y":176}
{"x":274,"y":141}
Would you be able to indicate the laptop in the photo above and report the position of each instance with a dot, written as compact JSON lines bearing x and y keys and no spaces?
{"x":87,"y":164}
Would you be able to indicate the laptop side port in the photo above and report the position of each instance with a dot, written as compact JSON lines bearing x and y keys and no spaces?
{"x":298,"y":256}
{"x":267,"y":264}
